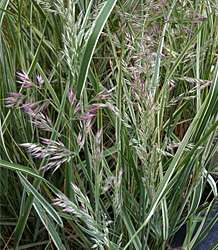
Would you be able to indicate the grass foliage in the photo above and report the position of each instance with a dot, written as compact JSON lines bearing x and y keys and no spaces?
{"x":108,"y":123}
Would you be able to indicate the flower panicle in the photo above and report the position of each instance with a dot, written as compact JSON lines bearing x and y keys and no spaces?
{"x":81,"y":139}
{"x":78,"y":107}
{"x":81,"y":209}
{"x":39,"y":79}
{"x":42,"y":122}
{"x":33,"y":109}
{"x":26,"y":82}
{"x":55,"y":150}
{"x":24,"y":79}
{"x":171,"y":83}
{"x":91,"y":112}
{"x":14,"y":100}
{"x":186,"y":29}
{"x":105,"y":94}
{"x":97,"y":145}
{"x":203,"y":83}
{"x":117,"y":199}
{"x":71,"y":96}
{"x":28,"y":105}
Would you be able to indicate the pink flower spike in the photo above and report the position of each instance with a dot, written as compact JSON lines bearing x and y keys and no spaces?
{"x":78,"y":107}
{"x":22,"y":76}
{"x":70,"y":94}
{"x":120,"y":171}
{"x":14,"y":100}
{"x":24,"y":80}
{"x":74,"y":98}
{"x":80,"y":123}
{"x":48,"y":119}
{"x":88,"y":126}
{"x":79,"y":137}
{"x":81,"y":140}
{"x":39,"y":79}
{"x":28,"y":105}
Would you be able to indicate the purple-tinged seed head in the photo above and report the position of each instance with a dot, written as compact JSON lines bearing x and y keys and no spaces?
{"x":56,"y":151}
{"x":201,"y":17}
{"x":87,"y":117}
{"x":15,"y":94}
{"x":186,"y":29}
{"x":80,"y":124}
{"x":155,"y":28}
{"x":56,"y":157}
{"x":80,"y":140}
{"x":24,"y":79}
{"x":28,"y":105}
{"x":78,"y":107}
{"x":48,"y":119}
{"x":103,"y":95}
{"x":14,"y":100}
{"x":39,"y":79}
{"x":120,"y":171}
{"x":47,"y":166}
{"x":88,"y":126}
{"x":71,"y":96}
{"x":97,"y":142}
{"x":98,"y":136}
{"x":41,"y":122}
{"x":39,"y":109}
{"x":56,"y":168}
{"x":22,"y":76}
{"x":10,"y":99}
{"x":172,"y":83}
{"x":79,"y":137}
